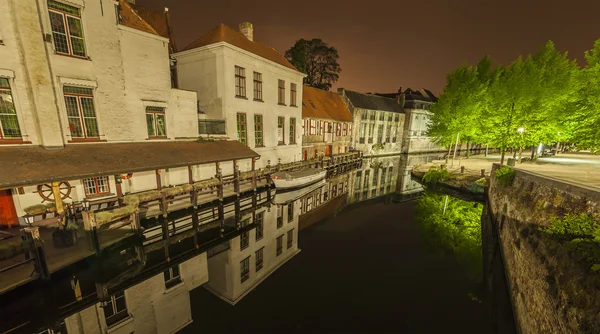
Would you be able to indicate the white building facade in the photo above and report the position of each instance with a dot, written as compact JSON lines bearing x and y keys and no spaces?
{"x":99,"y":76}
{"x":249,"y":86}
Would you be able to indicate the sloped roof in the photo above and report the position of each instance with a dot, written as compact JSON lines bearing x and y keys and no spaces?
{"x":35,"y":165}
{"x":373,"y":102}
{"x":419,"y":95}
{"x":326,"y":105}
{"x":223,"y":33}
{"x":131,"y":19}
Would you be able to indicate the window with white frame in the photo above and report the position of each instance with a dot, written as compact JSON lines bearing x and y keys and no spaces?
{"x":172,"y":277}
{"x":67,"y":30}
{"x":9,"y":124}
{"x":96,"y":186}
{"x":156,"y":122}
{"x":240,"y":81}
{"x":81,"y":112}
{"x":115,"y":309}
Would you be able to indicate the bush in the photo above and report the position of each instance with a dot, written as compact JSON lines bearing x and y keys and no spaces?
{"x":582,"y":231}
{"x":505,"y":176}
{"x":436,"y":175}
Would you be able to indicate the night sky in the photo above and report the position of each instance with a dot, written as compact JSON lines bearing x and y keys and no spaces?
{"x":385,"y":44}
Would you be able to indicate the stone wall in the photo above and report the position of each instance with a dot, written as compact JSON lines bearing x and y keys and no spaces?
{"x":552,"y":287}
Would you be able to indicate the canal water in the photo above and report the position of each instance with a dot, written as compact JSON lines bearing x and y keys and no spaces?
{"x":369,"y":269}
{"x":366,"y":251}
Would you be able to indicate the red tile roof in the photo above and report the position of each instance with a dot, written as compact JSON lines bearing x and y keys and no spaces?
{"x":131,"y":19}
{"x":324,"y":105}
{"x":35,"y":165}
{"x":223,"y":33}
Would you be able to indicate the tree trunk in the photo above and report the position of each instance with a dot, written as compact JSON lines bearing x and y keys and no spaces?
{"x":502,"y":156}
{"x":486,"y":150}
{"x":532,"y":152}
{"x":514,"y":151}
{"x":520,"y":153}
{"x":468,"y":150}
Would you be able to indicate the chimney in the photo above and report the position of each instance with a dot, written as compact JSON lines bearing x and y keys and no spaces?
{"x":247,"y":29}
{"x":401,"y":98}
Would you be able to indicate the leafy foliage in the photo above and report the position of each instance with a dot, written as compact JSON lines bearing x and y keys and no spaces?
{"x":487,"y":104}
{"x":505,"y":175}
{"x":317,"y":60}
{"x":456,"y":230}
{"x":436,"y":175}
{"x":581,"y":231}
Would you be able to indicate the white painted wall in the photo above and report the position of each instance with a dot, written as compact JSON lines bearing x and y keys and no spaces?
{"x":397,"y":128}
{"x":126,"y":67}
{"x":210,"y":71}
{"x":152,"y":307}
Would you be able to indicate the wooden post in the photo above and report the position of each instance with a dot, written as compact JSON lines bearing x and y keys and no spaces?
{"x":195,"y":224}
{"x":118,"y":182}
{"x":236,"y":178}
{"x":237,"y":213}
{"x":254,"y":174}
{"x":32,"y":236}
{"x":90,"y":226}
{"x":222,"y":217}
{"x":166,"y":235}
{"x":158,"y":181}
{"x":219,"y":177}
{"x":194,"y":193}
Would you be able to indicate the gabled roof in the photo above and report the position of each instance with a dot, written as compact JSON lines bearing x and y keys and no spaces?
{"x":35,"y":165}
{"x":323,"y":104}
{"x":423,"y":95}
{"x":373,"y":102}
{"x":223,"y":33}
{"x":129,"y":18}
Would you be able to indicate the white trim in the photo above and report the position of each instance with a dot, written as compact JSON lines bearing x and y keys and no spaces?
{"x":7,"y":73}
{"x":142,"y":33}
{"x":150,"y":103}
{"x":77,"y":82}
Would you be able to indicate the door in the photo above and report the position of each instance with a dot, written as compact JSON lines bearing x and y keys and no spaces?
{"x":8,"y":214}
{"x":327,"y":150}
{"x":305,"y":155}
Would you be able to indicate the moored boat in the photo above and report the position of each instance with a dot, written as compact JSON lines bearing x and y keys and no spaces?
{"x":292,"y":180}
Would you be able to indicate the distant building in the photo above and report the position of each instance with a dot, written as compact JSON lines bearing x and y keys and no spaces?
{"x":247,"y":91}
{"x":378,"y":122}
{"x":327,"y":124}
{"x":416,"y":108}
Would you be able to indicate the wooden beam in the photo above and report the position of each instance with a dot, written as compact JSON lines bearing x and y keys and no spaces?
{"x":118,"y":182}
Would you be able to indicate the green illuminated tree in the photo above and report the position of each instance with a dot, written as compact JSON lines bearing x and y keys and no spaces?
{"x":584,"y":120}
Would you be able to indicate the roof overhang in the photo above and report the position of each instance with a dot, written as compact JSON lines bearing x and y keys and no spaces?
{"x":35,"y":165}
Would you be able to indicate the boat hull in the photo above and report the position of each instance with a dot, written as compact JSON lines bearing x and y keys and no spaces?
{"x":300,"y":182}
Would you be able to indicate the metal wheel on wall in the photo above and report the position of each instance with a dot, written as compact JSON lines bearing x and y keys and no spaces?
{"x":45,"y":191}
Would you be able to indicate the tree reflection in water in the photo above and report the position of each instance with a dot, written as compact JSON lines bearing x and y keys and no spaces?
{"x":450,"y":225}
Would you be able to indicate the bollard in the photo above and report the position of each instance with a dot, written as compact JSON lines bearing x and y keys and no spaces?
{"x":462,"y":169}
{"x":482,"y":172}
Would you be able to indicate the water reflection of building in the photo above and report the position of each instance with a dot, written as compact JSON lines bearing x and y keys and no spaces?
{"x":377,"y":177}
{"x":259,"y":238}
{"x":237,"y":266}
